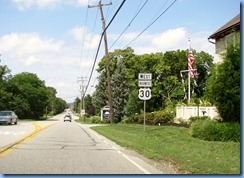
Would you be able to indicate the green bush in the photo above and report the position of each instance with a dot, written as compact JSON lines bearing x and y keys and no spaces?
{"x":162,"y":117}
{"x":86,"y":115}
{"x":96,"y":119}
{"x":126,"y":120}
{"x":195,"y":118}
{"x":216,"y":131}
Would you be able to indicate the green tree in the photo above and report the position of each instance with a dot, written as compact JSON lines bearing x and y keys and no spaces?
{"x":90,"y":109}
{"x":4,"y":73}
{"x":100,"y":96}
{"x":134,"y":105}
{"x":29,"y":95}
{"x":223,"y":87}
{"x":77,"y":105}
{"x":59,"y":105}
{"x":51,"y":100}
{"x":4,"y":94}
{"x":168,"y":86}
{"x":120,"y":90}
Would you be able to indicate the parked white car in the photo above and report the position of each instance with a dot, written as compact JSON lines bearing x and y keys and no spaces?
{"x":8,"y":117}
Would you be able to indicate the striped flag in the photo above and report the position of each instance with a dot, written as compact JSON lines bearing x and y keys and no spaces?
{"x":191,"y":63}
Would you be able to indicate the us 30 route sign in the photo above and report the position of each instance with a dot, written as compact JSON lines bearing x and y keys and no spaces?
{"x":144,"y":94}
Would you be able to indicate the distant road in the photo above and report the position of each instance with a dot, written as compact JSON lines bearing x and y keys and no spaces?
{"x":69,"y":148}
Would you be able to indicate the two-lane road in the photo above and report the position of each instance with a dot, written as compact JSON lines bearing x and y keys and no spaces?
{"x":71,"y":148}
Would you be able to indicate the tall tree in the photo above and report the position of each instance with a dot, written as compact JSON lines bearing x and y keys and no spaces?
{"x":120,"y":90}
{"x":51,"y":99}
{"x":90,"y":109}
{"x":100,"y":96}
{"x":77,"y":105}
{"x":223,"y":87}
{"x":30,"y":95}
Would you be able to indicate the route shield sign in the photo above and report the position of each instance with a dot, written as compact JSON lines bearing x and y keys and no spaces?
{"x":144,"y":94}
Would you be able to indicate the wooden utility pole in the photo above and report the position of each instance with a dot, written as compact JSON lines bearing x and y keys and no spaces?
{"x":107,"y":57}
{"x":82,"y":86}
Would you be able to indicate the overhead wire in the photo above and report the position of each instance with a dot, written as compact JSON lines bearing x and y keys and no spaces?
{"x":83,"y":38}
{"x":109,"y":13}
{"x":88,"y":52}
{"x":158,"y":11}
{"x":151,"y":23}
{"x":121,"y":5}
{"x":126,"y":28}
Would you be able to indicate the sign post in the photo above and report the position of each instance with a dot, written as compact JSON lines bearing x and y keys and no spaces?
{"x":144,"y":81}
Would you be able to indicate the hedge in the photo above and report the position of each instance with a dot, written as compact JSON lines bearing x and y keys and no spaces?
{"x":216,"y":131}
{"x":155,"y":118}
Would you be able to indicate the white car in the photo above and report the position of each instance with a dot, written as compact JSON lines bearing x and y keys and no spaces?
{"x":67,"y":117}
{"x":8,"y":117}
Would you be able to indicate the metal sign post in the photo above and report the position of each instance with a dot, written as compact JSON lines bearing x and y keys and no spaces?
{"x":145,"y":81}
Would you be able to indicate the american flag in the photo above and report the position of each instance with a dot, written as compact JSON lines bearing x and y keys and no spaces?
{"x":191,"y":63}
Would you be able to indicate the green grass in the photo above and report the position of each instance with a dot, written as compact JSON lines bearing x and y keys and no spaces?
{"x":86,"y":120}
{"x":174,"y":144}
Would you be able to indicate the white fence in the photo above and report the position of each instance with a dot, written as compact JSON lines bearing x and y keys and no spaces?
{"x":185,"y":112}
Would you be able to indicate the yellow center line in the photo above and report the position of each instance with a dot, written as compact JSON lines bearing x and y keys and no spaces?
{"x":12,"y":146}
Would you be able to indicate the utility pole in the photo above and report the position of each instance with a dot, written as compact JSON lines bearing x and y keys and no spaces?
{"x":107,"y":57}
{"x":82,"y":87}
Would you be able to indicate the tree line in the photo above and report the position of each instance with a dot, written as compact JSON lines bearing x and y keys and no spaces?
{"x":212,"y":83}
{"x":27,"y":95}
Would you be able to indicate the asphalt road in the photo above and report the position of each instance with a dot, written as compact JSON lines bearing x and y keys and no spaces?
{"x":58,"y":147}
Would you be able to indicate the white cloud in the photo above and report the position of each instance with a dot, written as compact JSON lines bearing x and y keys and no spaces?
{"x":90,"y":40}
{"x":77,"y":33}
{"x":31,"y":60}
{"x":28,"y":43}
{"x":172,"y":39}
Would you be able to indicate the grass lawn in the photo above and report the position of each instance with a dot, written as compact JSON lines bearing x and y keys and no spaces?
{"x":175,"y":144}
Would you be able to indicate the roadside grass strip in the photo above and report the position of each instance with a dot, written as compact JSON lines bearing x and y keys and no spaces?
{"x":4,"y":151}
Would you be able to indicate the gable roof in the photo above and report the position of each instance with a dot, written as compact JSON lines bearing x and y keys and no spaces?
{"x":227,"y":28}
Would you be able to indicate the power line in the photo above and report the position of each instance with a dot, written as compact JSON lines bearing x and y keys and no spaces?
{"x":100,"y":45}
{"x":83,"y":38}
{"x":109,"y":13}
{"x":151,"y":23}
{"x":92,"y":36}
{"x":129,"y":24}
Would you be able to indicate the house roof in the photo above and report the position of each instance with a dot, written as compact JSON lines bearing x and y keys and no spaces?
{"x":227,"y":28}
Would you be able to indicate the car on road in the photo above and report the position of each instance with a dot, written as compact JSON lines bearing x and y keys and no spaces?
{"x":67,"y":117}
{"x":8,"y":117}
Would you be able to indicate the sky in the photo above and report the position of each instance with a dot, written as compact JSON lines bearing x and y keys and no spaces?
{"x":58,"y":39}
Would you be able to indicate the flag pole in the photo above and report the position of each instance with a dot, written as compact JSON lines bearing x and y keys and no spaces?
{"x":189,"y":78}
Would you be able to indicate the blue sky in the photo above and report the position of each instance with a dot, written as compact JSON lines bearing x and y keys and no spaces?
{"x":46,"y":37}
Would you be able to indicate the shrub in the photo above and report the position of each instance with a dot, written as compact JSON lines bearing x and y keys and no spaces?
{"x":162,"y":117}
{"x":184,"y":123}
{"x":216,"y":131}
{"x":195,"y":118}
{"x":86,"y":115}
{"x":96,"y":119}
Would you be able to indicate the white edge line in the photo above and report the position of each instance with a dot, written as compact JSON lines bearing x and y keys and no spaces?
{"x":126,"y":157}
